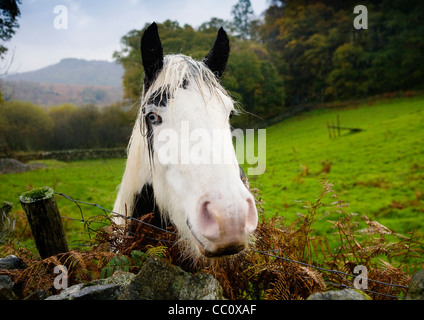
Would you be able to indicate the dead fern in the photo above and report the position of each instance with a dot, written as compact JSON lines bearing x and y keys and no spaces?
{"x":81,"y":267}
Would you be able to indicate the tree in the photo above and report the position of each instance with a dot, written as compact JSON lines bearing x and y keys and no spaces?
{"x":214,"y":24}
{"x":322,"y":57}
{"x":24,"y":126}
{"x":9,"y":12}
{"x":253,"y":80}
{"x":113,"y":127}
{"x":396,"y":60}
{"x":64,"y":129}
{"x":241,"y":12}
{"x":347,"y":79}
{"x":304,"y":36}
{"x":130,"y":58}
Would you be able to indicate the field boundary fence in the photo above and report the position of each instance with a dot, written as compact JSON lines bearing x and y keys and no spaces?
{"x":274,"y":254}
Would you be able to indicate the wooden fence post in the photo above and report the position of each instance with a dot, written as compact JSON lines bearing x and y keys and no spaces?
{"x":44,"y":220}
{"x":329,"y":130}
{"x":338,"y":124}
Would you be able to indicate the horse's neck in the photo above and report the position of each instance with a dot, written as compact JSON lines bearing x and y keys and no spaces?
{"x":136,"y":175}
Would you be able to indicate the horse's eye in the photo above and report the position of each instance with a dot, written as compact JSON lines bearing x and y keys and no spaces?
{"x":154,"y":118}
{"x":231,"y":114}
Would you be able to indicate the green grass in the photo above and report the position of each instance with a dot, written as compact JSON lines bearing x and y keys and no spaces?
{"x":92,"y":181}
{"x":379,"y":171}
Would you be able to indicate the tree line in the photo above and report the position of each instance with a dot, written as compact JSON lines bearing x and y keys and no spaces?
{"x":323,"y":57}
{"x":25,"y":126}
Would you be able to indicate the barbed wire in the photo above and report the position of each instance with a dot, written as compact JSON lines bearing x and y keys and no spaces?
{"x":77,"y":202}
{"x":270,"y":253}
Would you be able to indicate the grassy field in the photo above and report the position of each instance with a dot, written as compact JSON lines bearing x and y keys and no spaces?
{"x":93,"y":181}
{"x":378,"y":171}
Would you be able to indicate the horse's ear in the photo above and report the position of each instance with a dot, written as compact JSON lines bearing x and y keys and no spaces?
{"x":217,"y":58}
{"x":151,"y":53}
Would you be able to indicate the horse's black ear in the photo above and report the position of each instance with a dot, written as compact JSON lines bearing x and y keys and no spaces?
{"x":151,"y":53}
{"x":217,"y":58}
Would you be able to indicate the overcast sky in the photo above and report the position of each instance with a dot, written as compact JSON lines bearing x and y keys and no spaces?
{"x":95,"y":27}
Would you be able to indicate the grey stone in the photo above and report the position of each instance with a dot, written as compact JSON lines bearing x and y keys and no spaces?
{"x":12,"y":165}
{"x":6,"y":282}
{"x":201,"y":286}
{"x":159,"y":280}
{"x":103,"y":289}
{"x":12,"y":262}
{"x":87,"y":291}
{"x":119,"y":277}
{"x":6,"y":288}
{"x":416,"y":287}
{"x":345,"y":294}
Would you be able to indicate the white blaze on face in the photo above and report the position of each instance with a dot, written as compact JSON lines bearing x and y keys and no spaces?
{"x":196,"y":175}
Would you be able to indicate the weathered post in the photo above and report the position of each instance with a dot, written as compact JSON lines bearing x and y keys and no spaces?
{"x":329,"y":130}
{"x":44,"y":220}
{"x":338,"y":124}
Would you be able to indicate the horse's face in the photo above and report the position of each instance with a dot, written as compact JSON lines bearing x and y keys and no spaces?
{"x":195,"y":173}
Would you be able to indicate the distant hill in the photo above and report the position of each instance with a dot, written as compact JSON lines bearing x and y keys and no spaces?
{"x":71,"y":80}
{"x":75,"y":71}
{"x":45,"y":94}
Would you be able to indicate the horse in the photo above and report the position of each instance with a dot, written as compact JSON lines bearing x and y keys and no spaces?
{"x":210,"y":206}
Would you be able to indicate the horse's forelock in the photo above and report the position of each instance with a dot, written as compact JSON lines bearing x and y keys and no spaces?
{"x":178,"y":71}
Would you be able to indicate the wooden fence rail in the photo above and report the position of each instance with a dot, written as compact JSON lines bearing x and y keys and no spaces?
{"x":334,"y":129}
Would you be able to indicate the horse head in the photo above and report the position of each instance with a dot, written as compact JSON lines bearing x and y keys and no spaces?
{"x":181,"y":160}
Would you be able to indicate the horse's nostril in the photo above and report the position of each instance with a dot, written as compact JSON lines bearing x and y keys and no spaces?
{"x":206,"y":215}
{"x":208,"y":221}
{"x":252,"y":216}
{"x":223,"y":224}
